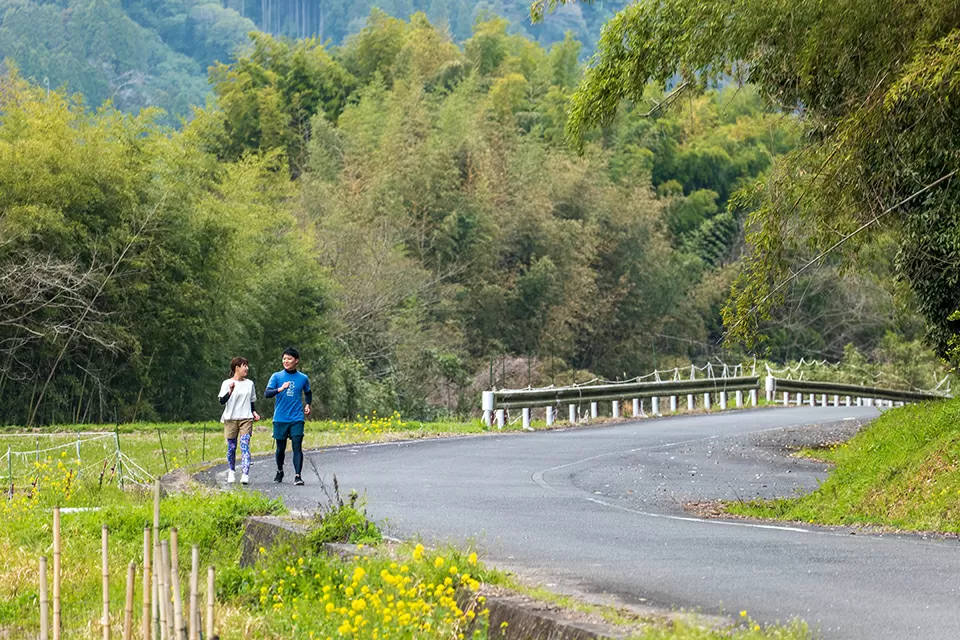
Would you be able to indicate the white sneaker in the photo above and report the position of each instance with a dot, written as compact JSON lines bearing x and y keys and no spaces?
{"x":231,"y":477}
{"x":244,"y":479}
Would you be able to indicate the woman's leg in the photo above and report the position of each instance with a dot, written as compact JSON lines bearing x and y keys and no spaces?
{"x":232,"y":453}
{"x":297,"y":453}
{"x":245,"y":453}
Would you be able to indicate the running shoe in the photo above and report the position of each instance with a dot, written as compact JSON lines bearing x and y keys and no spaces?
{"x":297,"y":480}
{"x":231,"y":477}
{"x":245,"y":479}
{"x":278,"y":477}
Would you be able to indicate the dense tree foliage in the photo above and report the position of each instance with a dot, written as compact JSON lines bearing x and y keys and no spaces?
{"x":402,"y":208}
{"x":875,"y":87}
{"x":132,"y":261}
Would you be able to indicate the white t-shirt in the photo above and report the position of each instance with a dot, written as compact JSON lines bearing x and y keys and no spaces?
{"x":238,"y":405}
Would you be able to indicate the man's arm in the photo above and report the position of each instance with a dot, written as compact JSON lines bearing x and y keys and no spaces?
{"x":308,"y":397}
{"x":271,"y":388}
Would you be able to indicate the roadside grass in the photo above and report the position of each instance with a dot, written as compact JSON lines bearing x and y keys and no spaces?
{"x":162,"y":447}
{"x":902,"y":471}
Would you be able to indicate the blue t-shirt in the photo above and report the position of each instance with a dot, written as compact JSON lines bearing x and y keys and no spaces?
{"x":288,"y":404}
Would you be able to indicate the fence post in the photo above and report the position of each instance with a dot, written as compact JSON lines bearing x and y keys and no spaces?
{"x":210,"y":601}
{"x":526,"y":419}
{"x":573,"y":414}
{"x":673,"y":404}
{"x":549,"y":416}
{"x":723,"y":399}
{"x":706,"y":401}
{"x":753,"y":397}
{"x":56,"y":574}
{"x":116,"y":435}
{"x":501,"y":418}
{"x":616,"y":409}
{"x":593,"y":411}
{"x":655,"y":406}
{"x":488,"y":406}
{"x":105,"y":619}
{"x":770,"y":386}
{"x":636,"y":407}
{"x":739,"y":397}
{"x":44,"y":603}
{"x":693,"y":376}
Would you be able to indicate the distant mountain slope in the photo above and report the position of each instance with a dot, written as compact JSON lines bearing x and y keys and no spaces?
{"x":155,"y":53}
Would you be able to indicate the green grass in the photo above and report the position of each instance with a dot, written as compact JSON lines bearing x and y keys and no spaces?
{"x":902,"y":472}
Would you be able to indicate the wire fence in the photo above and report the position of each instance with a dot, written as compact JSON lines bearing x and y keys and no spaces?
{"x":25,"y":460}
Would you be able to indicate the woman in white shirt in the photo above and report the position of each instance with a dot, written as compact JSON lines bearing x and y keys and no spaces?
{"x":238,"y":396}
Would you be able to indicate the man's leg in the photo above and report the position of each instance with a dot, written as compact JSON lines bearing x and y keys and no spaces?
{"x":280,"y":455}
{"x":297,"y":454}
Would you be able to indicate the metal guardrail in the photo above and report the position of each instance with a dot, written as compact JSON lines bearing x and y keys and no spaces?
{"x":497,"y":402}
{"x":848,"y":390}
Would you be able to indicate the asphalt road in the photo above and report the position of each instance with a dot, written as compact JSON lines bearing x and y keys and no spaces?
{"x":598,"y":512}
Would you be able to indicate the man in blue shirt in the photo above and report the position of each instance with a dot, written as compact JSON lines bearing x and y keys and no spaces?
{"x":289,"y":412}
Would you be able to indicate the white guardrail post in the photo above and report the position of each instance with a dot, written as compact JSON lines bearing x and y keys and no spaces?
{"x":488,"y":405}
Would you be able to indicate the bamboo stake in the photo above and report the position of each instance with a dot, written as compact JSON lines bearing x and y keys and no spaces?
{"x":56,"y":573}
{"x":194,"y":602}
{"x":156,"y":506}
{"x":158,"y":615}
{"x":164,"y":593}
{"x":128,"y":605}
{"x":145,"y":619}
{"x":211,"y":595}
{"x":44,"y":603}
{"x":157,"y":572}
{"x":104,"y":535}
{"x":180,"y":627}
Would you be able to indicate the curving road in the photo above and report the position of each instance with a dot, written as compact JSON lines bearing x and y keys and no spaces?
{"x":598,"y":512}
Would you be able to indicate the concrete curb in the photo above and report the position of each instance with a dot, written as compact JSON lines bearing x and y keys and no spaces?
{"x":511,"y":617}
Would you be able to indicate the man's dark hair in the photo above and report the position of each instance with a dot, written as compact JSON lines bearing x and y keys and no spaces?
{"x":290,"y":351}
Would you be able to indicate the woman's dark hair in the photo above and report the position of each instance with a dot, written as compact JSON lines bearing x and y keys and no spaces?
{"x":290,"y":351}
{"x":236,"y":362}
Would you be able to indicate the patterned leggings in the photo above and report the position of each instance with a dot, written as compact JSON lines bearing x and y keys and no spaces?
{"x":244,"y":453}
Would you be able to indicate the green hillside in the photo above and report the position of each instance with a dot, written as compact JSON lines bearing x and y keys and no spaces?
{"x":155,"y":53}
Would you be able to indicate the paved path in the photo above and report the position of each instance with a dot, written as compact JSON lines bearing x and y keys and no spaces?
{"x":597,"y":511}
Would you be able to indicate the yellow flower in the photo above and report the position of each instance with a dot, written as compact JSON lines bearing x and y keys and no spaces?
{"x":743,"y":614}
{"x":472,"y":559}
{"x":418,"y":552}
{"x":438,"y":562}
